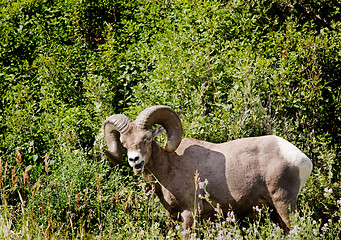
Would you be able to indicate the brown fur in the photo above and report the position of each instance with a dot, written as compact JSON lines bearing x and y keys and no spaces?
{"x":241,"y":174}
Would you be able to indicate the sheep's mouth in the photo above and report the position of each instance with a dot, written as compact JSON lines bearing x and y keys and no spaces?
{"x":138,"y":168}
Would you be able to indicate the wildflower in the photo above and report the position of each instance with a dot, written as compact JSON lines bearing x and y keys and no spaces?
{"x":216,"y":209}
{"x":201,"y":185}
{"x":200,"y":196}
{"x":315,"y":232}
{"x":184,"y":233}
{"x":230,"y":217}
{"x":339,"y":201}
{"x":327,"y":192}
{"x":177,"y":227}
{"x":257,"y":209}
{"x":295,"y":230}
{"x":217,"y":225}
{"x":206,"y":181}
{"x":325,"y":227}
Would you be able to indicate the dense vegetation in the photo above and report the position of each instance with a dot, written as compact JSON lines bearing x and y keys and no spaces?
{"x":231,"y":69}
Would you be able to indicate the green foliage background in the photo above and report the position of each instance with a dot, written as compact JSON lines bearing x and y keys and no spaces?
{"x":231,"y":69}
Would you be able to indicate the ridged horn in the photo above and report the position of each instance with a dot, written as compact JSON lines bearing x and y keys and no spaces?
{"x":166,"y":117}
{"x":113,"y":127}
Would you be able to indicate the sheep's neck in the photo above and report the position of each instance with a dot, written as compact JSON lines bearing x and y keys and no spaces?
{"x":160,"y":163}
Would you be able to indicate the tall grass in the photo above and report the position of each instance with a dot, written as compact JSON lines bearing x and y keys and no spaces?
{"x":126,"y":211}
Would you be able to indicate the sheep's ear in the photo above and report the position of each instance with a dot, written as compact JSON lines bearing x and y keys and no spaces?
{"x":157,"y":131}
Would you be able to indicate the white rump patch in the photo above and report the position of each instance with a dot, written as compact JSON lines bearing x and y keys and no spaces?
{"x":297,"y":158}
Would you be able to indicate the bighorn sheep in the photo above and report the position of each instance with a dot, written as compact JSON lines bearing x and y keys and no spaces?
{"x":241,"y":174}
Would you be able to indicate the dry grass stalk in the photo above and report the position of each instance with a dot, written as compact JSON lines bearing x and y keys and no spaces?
{"x":0,"y":166}
{"x":71,"y":187}
{"x":47,"y":161}
{"x":5,"y":171}
{"x":77,"y":200}
{"x":98,"y":180}
{"x":25,"y":176}
{"x":196,"y":183}
{"x":14,"y":179}
{"x":48,"y":229}
{"x":196,"y":179}
{"x":128,"y":201}
{"x":36,"y":187}
{"x":136,"y":200}
{"x":111,"y":202}
{"x":116,"y":197}
{"x":18,"y":157}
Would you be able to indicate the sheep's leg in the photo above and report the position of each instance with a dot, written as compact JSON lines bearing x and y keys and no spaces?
{"x":187,"y":219}
{"x":284,"y":224}
{"x":283,"y":210}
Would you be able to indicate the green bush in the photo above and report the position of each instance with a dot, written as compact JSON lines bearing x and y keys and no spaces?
{"x":231,"y":69}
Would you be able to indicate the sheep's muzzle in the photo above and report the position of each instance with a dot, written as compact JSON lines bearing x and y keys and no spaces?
{"x":138,"y":168}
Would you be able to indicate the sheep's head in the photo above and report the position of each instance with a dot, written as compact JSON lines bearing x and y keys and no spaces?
{"x":137,"y":136}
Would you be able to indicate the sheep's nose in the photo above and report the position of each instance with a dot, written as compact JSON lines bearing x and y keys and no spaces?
{"x":134,"y":159}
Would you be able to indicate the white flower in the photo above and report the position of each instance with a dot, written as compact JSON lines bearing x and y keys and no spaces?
{"x":257,"y":209}
{"x":327,"y":192}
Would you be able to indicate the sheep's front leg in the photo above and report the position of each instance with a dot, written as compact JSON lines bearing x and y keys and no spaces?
{"x":187,"y":219}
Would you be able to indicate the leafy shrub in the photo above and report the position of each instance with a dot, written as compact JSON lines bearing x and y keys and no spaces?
{"x":231,"y":69}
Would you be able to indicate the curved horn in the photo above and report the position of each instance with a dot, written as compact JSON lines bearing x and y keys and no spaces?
{"x":168,"y":118}
{"x":113,"y":127}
